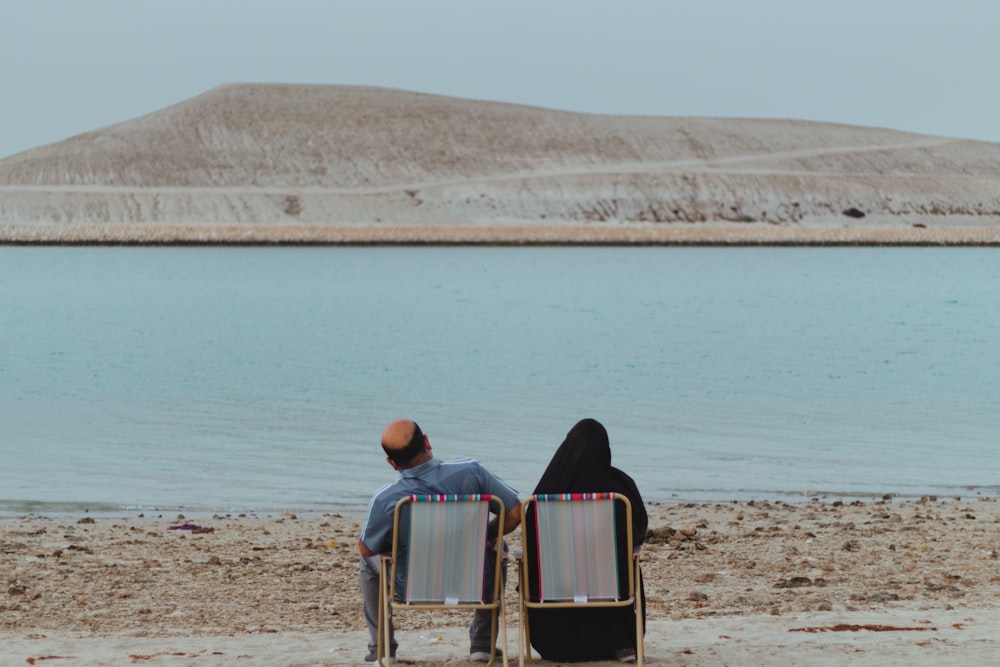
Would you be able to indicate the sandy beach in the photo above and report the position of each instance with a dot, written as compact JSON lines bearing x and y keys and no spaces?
{"x":822,"y":582}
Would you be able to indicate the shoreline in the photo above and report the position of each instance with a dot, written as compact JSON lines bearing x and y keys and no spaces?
{"x":882,"y":233}
{"x":22,"y":510}
{"x":761,"y":582}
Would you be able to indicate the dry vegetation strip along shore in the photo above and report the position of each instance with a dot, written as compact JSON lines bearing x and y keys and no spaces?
{"x":673,"y":234}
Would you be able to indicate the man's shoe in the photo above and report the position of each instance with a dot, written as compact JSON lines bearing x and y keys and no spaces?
{"x":371,"y":657}
{"x":483,"y":655}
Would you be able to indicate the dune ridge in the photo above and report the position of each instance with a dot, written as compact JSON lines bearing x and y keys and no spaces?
{"x":265,"y":161}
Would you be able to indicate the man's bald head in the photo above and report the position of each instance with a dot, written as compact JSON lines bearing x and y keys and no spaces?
{"x":404,"y":443}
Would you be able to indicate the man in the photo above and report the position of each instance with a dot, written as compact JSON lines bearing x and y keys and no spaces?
{"x":408,"y":451}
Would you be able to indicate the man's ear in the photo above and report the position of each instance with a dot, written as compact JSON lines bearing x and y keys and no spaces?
{"x":392,"y":463}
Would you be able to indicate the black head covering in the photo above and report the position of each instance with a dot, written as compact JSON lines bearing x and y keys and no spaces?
{"x":582,"y":464}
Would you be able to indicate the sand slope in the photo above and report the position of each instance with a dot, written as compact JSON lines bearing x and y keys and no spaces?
{"x":280,"y":161}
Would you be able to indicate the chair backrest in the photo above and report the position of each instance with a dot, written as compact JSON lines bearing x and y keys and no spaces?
{"x":445,"y":541}
{"x":577,"y":548}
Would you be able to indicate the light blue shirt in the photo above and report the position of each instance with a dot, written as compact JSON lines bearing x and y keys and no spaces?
{"x":461,"y":476}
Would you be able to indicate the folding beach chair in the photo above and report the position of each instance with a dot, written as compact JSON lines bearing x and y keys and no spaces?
{"x":440,"y":541}
{"x":575,"y":546}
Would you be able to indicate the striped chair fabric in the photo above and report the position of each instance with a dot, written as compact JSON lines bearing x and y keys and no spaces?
{"x":577,"y":554}
{"x":446,"y":549}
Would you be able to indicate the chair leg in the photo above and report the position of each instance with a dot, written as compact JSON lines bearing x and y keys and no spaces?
{"x":639,"y":631}
{"x":523,"y":636}
{"x":378,"y":641}
{"x":493,"y":637}
{"x":521,"y":620}
{"x":382,"y":643}
{"x":502,"y":610}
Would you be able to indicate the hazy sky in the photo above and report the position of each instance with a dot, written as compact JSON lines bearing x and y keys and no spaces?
{"x":928,"y":66}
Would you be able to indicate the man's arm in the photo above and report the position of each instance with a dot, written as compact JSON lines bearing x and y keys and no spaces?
{"x":365,"y":551}
{"x":512,"y":519}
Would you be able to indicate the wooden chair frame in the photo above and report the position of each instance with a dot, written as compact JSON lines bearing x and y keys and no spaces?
{"x":526,"y":604}
{"x":390,"y":599}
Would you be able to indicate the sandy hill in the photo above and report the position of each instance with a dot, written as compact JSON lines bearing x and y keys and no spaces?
{"x":296,"y":156}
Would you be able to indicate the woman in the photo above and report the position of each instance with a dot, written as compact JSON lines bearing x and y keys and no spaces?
{"x":582,"y":464}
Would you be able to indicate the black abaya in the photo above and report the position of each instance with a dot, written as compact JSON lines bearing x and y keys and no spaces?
{"x":582,"y":464}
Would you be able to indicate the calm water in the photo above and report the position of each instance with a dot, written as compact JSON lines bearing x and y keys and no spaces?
{"x":212,"y":379}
